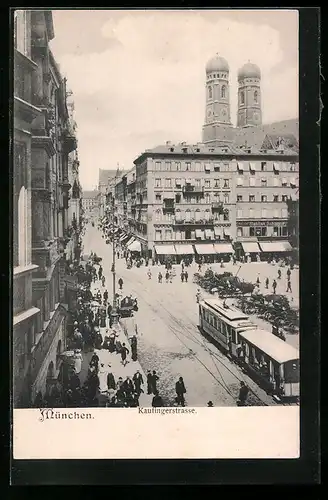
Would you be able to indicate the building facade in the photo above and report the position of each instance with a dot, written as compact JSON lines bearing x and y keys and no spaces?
{"x":185,"y":196}
{"x":90,"y":202}
{"x":24,"y":310}
{"x":51,"y":140}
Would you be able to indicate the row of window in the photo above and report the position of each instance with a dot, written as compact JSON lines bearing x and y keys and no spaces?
{"x":206,"y":199}
{"x":223,"y":92}
{"x":252,"y":167}
{"x":275,"y":231}
{"x":216,"y":75}
{"x":168,"y":183}
{"x":190,"y":215}
{"x":252,"y":198}
{"x":264,"y":213}
{"x":266,"y":182}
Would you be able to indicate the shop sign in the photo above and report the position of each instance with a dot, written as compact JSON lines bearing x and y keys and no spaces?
{"x":260,"y":223}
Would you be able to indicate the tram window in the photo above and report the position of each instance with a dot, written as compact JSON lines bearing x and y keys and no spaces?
{"x":233,"y":335}
{"x":215,"y":322}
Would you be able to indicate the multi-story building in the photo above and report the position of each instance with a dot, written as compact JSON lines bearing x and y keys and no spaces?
{"x":106,"y":184}
{"x":52,"y":139}
{"x":24,"y":311}
{"x":90,"y":202}
{"x":203,"y":199}
{"x":121,"y":201}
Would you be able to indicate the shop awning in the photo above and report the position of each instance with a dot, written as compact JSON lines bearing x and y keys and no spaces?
{"x":252,"y":166}
{"x":223,"y":248}
{"x":130,"y":241}
{"x":276,"y":166}
{"x":205,"y":249}
{"x":240,"y":166}
{"x":209,"y":234}
{"x":199,"y":234}
{"x":275,"y":246}
{"x":134,"y":246}
{"x":250,"y":247}
{"x":165,"y":250}
{"x":218,"y":231}
{"x":184,"y":249}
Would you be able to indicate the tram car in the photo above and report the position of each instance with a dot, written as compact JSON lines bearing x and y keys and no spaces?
{"x":127,"y":307}
{"x":270,"y":361}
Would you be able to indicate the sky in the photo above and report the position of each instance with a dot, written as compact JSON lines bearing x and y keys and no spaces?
{"x":138,"y":77}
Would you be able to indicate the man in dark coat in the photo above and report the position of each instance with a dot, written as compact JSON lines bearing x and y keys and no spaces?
{"x":124,"y":352}
{"x":155,"y":378}
{"x":120,"y":283}
{"x":243,"y":393}
{"x":138,"y":382}
{"x":157,"y":400}
{"x":180,"y":390}
{"x":134,"y":345}
{"x":111,"y":381}
{"x":105,"y":295}
{"x":128,"y":386}
{"x":100,"y":271}
{"x":149,"y":382}
{"x":186,"y":276}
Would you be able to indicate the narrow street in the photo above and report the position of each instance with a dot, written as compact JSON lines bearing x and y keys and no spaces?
{"x":169,"y":340}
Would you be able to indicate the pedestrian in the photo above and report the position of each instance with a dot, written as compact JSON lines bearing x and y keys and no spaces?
{"x":182,"y":276}
{"x":149,"y":382}
{"x":167,"y":276}
{"x":105,"y":296}
{"x":103,"y":279}
{"x":180,"y":390}
{"x":199,"y":268}
{"x":120,"y":283}
{"x":170,"y":276}
{"x":198,"y":296}
{"x":124,"y":352}
{"x":155,"y":378}
{"x":100,"y":271}
{"x":258,"y":281}
{"x":138,"y":382}
{"x":288,"y":273}
{"x":182,"y":266}
{"x":94,"y":362}
{"x":134,"y":345}
{"x":267,"y":283}
{"x":210,"y":404}
{"x":289,"y":285}
{"x":128,"y":386}
{"x":110,"y":381}
{"x":274,"y":286}
{"x":149,"y":274}
{"x":243,"y":393}
{"x":186,"y":276}
{"x":279,"y":274}
{"x":157,"y":400}
{"x":160,"y":277}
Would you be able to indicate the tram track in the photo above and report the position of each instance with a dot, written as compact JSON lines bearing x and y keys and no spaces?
{"x":181,"y":328}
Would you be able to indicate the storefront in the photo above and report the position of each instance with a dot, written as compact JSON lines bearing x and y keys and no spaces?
{"x":205,"y":253}
{"x":184,"y":252}
{"x":224,"y":251}
{"x":275,"y":249}
{"x":164,"y":254}
{"x":249,"y":251}
{"x":134,"y":247}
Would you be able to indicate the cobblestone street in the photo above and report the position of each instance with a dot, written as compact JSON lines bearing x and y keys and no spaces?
{"x":169,"y":340}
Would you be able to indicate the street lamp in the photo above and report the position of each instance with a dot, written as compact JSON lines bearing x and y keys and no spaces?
{"x":114,"y":315}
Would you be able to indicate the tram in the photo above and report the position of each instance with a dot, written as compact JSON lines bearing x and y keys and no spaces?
{"x":270,"y":361}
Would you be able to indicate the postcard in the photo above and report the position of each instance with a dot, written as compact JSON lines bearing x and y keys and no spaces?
{"x":155,"y":234}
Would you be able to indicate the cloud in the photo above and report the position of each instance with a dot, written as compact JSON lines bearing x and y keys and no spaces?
{"x":147,"y":83}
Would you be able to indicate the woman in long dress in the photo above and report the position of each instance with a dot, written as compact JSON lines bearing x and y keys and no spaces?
{"x":78,"y":361}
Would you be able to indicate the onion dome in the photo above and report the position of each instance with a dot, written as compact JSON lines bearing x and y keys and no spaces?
{"x":217,"y":63}
{"x":249,"y":70}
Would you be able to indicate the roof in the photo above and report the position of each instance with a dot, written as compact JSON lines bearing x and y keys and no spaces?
{"x":230,"y":312}
{"x":105,"y":176}
{"x":249,"y":70}
{"x":268,"y":343}
{"x":90,"y":194}
{"x":217,"y":63}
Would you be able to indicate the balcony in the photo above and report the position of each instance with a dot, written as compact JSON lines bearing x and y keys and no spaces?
{"x":168,"y":205}
{"x":217,"y":207}
{"x":189,"y":189}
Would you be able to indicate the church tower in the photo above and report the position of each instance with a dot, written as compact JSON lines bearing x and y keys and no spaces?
{"x":249,"y":112}
{"x":217,"y":110}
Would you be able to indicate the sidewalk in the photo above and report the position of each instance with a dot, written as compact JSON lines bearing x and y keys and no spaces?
{"x":112,"y":361}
